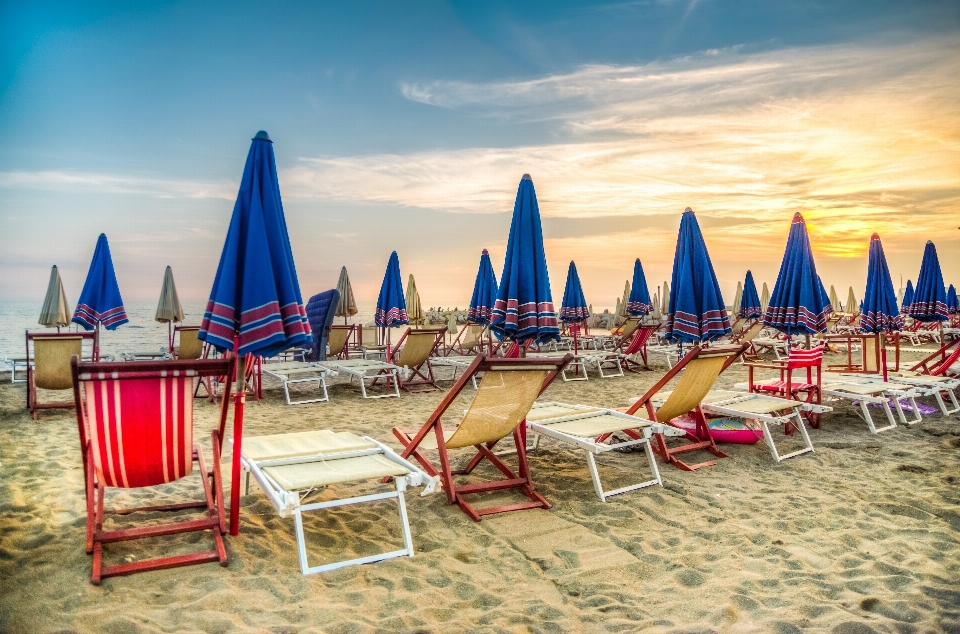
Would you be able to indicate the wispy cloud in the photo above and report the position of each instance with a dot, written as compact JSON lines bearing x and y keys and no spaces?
{"x":116,"y":184}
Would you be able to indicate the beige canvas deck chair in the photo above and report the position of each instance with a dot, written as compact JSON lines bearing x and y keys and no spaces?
{"x":370,"y":343}
{"x":700,"y":369}
{"x":766,"y":410}
{"x":296,"y":372}
{"x":289,"y":467}
{"x":468,"y":341}
{"x":190,"y":345}
{"x":369,"y":370}
{"x":48,"y":365}
{"x":338,"y":340}
{"x":415,"y":349}
{"x":589,"y":428}
{"x":506,"y":393}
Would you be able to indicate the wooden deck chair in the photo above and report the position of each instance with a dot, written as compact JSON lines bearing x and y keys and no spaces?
{"x":636,"y":346}
{"x":414,"y":357}
{"x":808,"y":391}
{"x":701,"y":367}
{"x":370,"y":342}
{"x":136,"y":430}
{"x":625,"y":332}
{"x":289,"y":467}
{"x":296,"y":372}
{"x":582,"y":426}
{"x":506,"y":393}
{"x":748,"y":336}
{"x":48,"y":365}
{"x":190,"y":346}
{"x":468,"y":341}
{"x":339,"y":340}
{"x":736,"y":328}
{"x":938,"y":363}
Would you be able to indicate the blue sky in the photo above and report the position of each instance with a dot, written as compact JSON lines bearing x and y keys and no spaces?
{"x":407,"y":126}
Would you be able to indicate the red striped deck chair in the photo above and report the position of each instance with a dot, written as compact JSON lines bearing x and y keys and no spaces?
{"x":136,"y":430}
{"x":939,"y":362}
{"x":701,"y":367}
{"x":499,"y":408}
{"x":48,"y":365}
{"x":637,"y":345}
{"x":805,"y":391}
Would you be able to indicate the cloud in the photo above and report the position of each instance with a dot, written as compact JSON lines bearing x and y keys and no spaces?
{"x":53,"y":180}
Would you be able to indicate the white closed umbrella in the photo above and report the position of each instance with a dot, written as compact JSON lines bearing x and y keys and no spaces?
{"x":347,"y":305}
{"x":56,"y":310}
{"x":169,"y":309}
{"x":737,"y":298}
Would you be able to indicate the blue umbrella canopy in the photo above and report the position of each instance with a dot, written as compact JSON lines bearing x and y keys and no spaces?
{"x":100,"y":301}
{"x":824,"y":297}
{"x":953,"y":304}
{"x":574,"y":307}
{"x":484,"y":292}
{"x":750,"y":300}
{"x":697,"y":312}
{"x":929,"y":297}
{"x":391,"y":305}
{"x":799,"y":303}
{"x":879,"y":309}
{"x":524,"y":307}
{"x":256,"y":294}
{"x":639,"y":302}
{"x":907,"y":297}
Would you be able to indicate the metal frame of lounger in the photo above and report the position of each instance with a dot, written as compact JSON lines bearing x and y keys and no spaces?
{"x":457,"y":363}
{"x":907,"y":389}
{"x":583,"y":358}
{"x":290,"y":502}
{"x":284,"y":370}
{"x":16,"y":364}
{"x":866,"y":393}
{"x":583,"y":425}
{"x":360,"y":367}
{"x":931,"y":386}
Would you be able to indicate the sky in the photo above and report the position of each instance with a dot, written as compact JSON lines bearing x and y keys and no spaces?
{"x":407,"y":127}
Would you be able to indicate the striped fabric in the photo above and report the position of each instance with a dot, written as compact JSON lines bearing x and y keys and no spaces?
{"x":714,"y":323}
{"x":141,"y":429}
{"x":391,"y":318}
{"x":574,"y":313}
{"x":480,"y":314}
{"x":803,"y":358}
{"x":89,"y":317}
{"x":526,"y":320}
{"x":258,"y":326}
{"x":639,"y":308}
{"x":878,"y":322}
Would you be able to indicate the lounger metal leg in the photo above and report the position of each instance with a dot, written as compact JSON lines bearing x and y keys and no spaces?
{"x":807,"y":443}
{"x":869,"y":419}
{"x":943,"y":406}
{"x":321,"y":383}
{"x":903,"y":417}
{"x":575,"y":364}
{"x":615,"y":360}
{"x":595,"y":474}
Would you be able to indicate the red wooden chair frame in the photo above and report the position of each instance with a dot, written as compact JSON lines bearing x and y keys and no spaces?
{"x":699,"y":440}
{"x":419,"y":378}
{"x":520,"y":480}
{"x":33,"y":403}
{"x":351,"y":334}
{"x":456,"y":347}
{"x":165,"y":373}
{"x":937,"y":363}
{"x":805,"y":392}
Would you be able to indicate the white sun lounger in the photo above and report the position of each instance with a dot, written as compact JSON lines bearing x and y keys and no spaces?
{"x":16,"y":364}
{"x":288,"y":467}
{"x":368,"y":370}
{"x":927,"y":385}
{"x":767,"y":410}
{"x":291,"y":372}
{"x":457,"y":362}
{"x":867,"y":392}
{"x":581,"y":426}
{"x":594,"y":358}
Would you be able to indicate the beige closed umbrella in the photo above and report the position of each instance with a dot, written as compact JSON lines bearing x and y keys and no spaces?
{"x":56,"y":311}
{"x":737,"y":298}
{"x":834,"y":299}
{"x":665,"y":300}
{"x":765,"y":298}
{"x":853,"y":306}
{"x":622,"y":304}
{"x":414,"y":309}
{"x":347,"y":306}
{"x":655,"y":314}
{"x":169,"y":309}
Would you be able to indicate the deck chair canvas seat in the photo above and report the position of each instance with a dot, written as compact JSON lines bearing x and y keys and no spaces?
{"x":504,"y":397}
{"x":582,"y":426}
{"x":416,"y":347}
{"x":370,"y":370}
{"x":288,"y":467}
{"x":339,"y":340}
{"x":190,"y":346}
{"x":296,"y":372}
{"x":48,"y":365}
{"x":135,"y":421}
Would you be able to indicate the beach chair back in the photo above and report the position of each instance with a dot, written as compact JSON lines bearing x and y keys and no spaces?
{"x":52,"y":361}
{"x":472,"y":336}
{"x":833,"y":321}
{"x":502,"y":401}
{"x":370,"y":335}
{"x":697,"y":380}
{"x":190,"y":345}
{"x":639,"y":340}
{"x":629,"y":327}
{"x":803,"y":358}
{"x":339,"y":336}
{"x":418,"y":346}
{"x":751,"y":333}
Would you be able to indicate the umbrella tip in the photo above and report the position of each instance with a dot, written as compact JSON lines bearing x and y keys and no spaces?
{"x":262,"y":136}
{"x":688,"y":211}
{"x":875,"y":237}
{"x":797,"y":217}
{"x":526,"y":177}
{"x":929,"y":241}
{"x":484,"y":252}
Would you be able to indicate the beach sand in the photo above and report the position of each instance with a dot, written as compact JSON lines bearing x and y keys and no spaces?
{"x":863,"y":536}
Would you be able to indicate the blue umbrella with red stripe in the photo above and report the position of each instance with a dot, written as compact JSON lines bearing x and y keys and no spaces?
{"x":879,"y":309}
{"x":929,"y":297}
{"x":255,"y":307}
{"x":798,"y":303}
{"x":639,"y":301}
{"x":100,"y":303}
{"x":391,"y":304}
{"x":697,"y":312}
{"x":750,"y":300}
{"x":484,"y":292}
{"x":953,"y":303}
{"x":524,"y":308}
{"x":907,"y":297}
{"x":574,"y":307}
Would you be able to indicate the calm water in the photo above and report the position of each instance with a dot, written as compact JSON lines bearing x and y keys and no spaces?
{"x":141,"y":333}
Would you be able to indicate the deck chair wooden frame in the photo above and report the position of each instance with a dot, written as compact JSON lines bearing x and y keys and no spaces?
{"x":414,"y":357}
{"x":190,"y":345}
{"x":289,"y":467}
{"x":637,"y":345}
{"x":939,"y":362}
{"x":701,"y":366}
{"x":252,"y":372}
{"x":582,"y":425}
{"x":339,"y":341}
{"x":504,"y":397}
{"x":469,"y":340}
{"x":296,"y":372}
{"x":798,"y":359}
{"x":156,"y":451}
{"x":48,"y":365}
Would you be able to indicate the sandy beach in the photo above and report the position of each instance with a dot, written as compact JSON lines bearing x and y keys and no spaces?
{"x":861,"y":537}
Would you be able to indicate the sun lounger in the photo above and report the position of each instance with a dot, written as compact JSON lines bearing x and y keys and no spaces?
{"x":599,"y":359}
{"x":866,"y":393}
{"x":48,"y":365}
{"x":935,"y":386}
{"x":584,"y":426}
{"x":368,"y":370}
{"x":135,"y":421}
{"x":16,"y":364}
{"x":415,"y":349}
{"x":506,"y":393}
{"x":294,"y":372}
{"x":288,"y":467}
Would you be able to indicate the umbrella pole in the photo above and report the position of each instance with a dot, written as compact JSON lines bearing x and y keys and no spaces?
{"x":170,"y":337}
{"x":239,"y":398}
{"x":576,"y":368}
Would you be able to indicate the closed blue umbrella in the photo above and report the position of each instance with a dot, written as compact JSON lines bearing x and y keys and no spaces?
{"x":907,"y":297}
{"x":929,"y":298}
{"x":639,"y":302}
{"x":879,"y":309}
{"x":824,"y":297}
{"x":255,"y":305}
{"x":697,"y":312}
{"x":391,"y":305}
{"x":750,"y":300}
{"x":524,"y":307}
{"x":953,"y":304}
{"x":574,"y":307}
{"x":100,"y":303}
{"x":484,"y":292}
{"x":798,"y":304}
